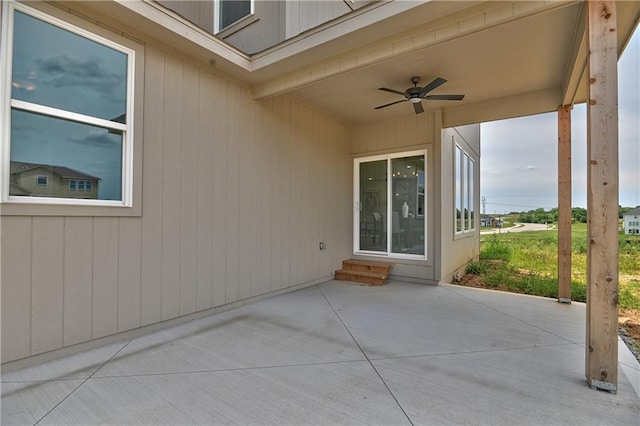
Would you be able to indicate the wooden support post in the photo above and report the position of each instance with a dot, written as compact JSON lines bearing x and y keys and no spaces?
{"x":564,"y":204}
{"x":602,"y":197}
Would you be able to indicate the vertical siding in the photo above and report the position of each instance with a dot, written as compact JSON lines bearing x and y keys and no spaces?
{"x":78,"y":273}
{"x":47,"y":283}
{"x":151,"y":244}
{"x":105,"y":276}
{"x":15,"y":312}
{"x":219,"y":172}
{"x":199,"y":12}
{"x":171,"y":186}
{"x":189,"y":187}
{"x":129,"y":266}
{"x":204,"y":205}
{"x":237,"y":194}
{"x":460,"y":249}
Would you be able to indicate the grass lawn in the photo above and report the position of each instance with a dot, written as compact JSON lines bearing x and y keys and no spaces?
{"x":527,"y":262}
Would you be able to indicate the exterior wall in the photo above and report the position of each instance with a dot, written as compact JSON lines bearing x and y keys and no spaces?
{"x":264,"y":30}
{"x":302,"y":15}
{"x":273,"y":21}
{"x":405,"y":133}
{"x":236,"y":196}
{"x":199,"y":12}
{"x":458,"y":249}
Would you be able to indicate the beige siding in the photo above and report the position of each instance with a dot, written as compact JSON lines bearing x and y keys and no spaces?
{"x":305,"y":14}
{"x":151,"y":220}
{"x":197,"y":11}
{"x":236,"y":196}
{"x":47,"y":265}
{"x":15,"y":313}
{"x":404,"y":133}
{"x":459,"y":248}
{"x":78,"y":272}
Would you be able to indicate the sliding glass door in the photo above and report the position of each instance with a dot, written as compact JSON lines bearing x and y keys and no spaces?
{"x":390,"y":199}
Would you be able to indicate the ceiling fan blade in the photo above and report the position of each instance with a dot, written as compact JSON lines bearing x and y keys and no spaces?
{"x":437,"y":82}
{"x":418,"y":107}
{"x":444,"y":97}
{"x":392,"y":103}
{"x":391,"y":90}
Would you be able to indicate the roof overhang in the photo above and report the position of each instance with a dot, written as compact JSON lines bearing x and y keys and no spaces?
{"x":509,"y":58}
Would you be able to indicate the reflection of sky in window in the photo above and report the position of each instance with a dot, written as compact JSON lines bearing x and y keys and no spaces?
{"x":57,"y":68}
{"x":88,"y":149}
{"x":54,"y":67}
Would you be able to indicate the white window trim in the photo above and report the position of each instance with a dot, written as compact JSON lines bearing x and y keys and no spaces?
{"x":46,"y":180}
{"x":467,"y":189}
{"x":7,"y":103}
{"x":234,"y":26}
{"x":388,"y":213}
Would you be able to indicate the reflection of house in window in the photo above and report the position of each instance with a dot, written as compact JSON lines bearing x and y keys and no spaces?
{"x":43,"y":180}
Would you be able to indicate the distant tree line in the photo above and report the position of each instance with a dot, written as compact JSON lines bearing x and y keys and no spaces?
{"x":578,"y":215}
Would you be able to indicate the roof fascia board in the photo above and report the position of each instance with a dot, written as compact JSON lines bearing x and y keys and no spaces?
{"x":347,"y":25}
{"x":517,"y":105}
{"x":472,"y":20}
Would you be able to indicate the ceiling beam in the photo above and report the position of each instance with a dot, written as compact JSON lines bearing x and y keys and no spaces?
{"x":518,"y":105}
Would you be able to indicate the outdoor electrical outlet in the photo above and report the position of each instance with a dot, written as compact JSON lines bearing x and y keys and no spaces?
{"x":322,"y":245}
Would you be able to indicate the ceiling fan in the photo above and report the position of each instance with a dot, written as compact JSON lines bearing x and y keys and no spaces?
{"x":416,"y":93}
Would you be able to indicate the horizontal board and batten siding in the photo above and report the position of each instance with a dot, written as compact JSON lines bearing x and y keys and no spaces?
{"x":237,"y":194}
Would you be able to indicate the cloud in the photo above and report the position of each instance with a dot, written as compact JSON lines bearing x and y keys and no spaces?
{"x":63,"y":71}
{"x":24,"y":85}
{"x":530,"y":167}
{"x":97,"y":139}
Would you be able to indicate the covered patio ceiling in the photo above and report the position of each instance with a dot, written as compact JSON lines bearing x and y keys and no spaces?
{"x":508,"y":59}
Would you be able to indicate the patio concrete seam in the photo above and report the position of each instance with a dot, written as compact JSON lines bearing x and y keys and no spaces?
{"x":225,"y":370}
{"x":83,"y":382}
{"x":366,"y":357}
{"x":510,"y":316}
{"x":478,"y":351}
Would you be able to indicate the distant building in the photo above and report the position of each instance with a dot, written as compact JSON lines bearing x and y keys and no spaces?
{"x":631,"y":222}
{"x":44,"y":180}
{"x":490,"y":221}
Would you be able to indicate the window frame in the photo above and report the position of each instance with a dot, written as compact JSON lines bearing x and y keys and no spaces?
{"x":464,"y":177}
{"x":236,"y":25}
{"x":389,"y":253}
{"x":7,"y":104}
{"x":46,"y":180}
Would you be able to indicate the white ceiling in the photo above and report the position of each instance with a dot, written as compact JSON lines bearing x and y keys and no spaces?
{"x":516,"y":67}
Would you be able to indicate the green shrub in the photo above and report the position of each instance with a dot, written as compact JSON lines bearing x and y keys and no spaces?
{"x":475,"y":268}
{"x":495,"y":248}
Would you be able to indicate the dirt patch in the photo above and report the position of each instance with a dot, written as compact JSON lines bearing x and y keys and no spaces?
{"x":628,"y":319}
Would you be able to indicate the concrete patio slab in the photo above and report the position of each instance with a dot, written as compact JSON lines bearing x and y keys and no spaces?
{"x":291,"y":329}
{"x":339,"y":353}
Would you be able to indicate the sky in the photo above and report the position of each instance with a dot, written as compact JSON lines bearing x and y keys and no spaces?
{"x":56,"y":68}
{"x":519,"y":157}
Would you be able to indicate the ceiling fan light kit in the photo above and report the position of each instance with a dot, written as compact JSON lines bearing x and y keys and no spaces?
{"x":416,"y":94}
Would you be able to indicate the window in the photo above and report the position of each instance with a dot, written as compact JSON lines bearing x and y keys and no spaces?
{"x":231,"y":11}
{"x":66,"y":108}
{"x":390,"y":205}
{"x":464,"y":172}
{"x":41,"y":180}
